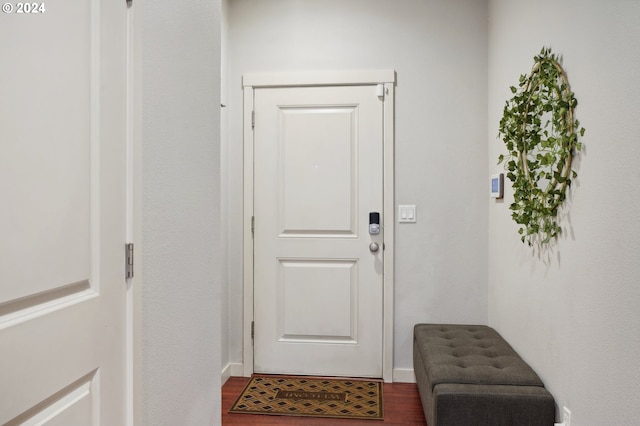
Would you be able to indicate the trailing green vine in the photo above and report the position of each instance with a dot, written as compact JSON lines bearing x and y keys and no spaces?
{"x":541,"y":135}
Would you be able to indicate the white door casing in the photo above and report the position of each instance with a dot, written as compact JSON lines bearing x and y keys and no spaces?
{"x":63,"y":214}
{"x":323,"y":155}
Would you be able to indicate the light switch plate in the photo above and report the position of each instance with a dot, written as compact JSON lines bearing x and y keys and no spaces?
{"x":406,"y":213}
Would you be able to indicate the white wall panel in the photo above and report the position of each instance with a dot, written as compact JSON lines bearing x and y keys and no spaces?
{"x":572,"y":312}
{"x":181,"y":213}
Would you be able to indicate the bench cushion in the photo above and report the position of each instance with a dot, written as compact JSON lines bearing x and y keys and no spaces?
{"x":471,"y":355}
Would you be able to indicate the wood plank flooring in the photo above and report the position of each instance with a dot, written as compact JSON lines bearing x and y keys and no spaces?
{"x":401,"y":407}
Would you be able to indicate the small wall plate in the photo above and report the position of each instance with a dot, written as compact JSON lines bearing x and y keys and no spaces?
{"x":406,"y":213}
{"x":497,"y":185}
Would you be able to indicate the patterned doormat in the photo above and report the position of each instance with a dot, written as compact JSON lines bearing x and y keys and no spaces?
{"x":307,"y":396}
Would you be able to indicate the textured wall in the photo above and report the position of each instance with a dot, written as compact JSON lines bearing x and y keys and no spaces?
{"x":439,"y":51}
{"x":180,"y":212}
{"x":573,"y":312}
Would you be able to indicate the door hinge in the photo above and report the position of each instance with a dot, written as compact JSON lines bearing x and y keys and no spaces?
{"x":253,"y":329}
{"x":128,"y":266}
{"x":253,"y":119}
{"x":253,"y":225}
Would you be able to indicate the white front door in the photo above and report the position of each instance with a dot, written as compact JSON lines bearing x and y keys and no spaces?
{"x":62,"y":213}
{"x":318,"y":278}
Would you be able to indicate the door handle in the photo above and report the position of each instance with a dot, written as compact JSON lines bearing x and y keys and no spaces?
{"x":374,"y":247}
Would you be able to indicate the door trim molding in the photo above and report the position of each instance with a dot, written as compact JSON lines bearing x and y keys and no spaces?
{"x":318,"y":78}
{"x":250,"y":81}
{"x":134,"y":335}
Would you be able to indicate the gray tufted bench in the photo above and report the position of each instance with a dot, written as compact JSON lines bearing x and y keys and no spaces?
{"x":469,"y":375}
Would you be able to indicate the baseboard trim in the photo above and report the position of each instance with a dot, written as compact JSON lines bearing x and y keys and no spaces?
{"x":232,"y":369}
{"x":403,"y":375}
{"x":225,"y":374}
{"x":237,"y":369}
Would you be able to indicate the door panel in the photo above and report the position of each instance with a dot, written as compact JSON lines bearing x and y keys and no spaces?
{"x":318,"y":287}
{"x":62,"y":215}
{"x":73,"y":408}
{"x":332,"y":285}
{"x":43,"y":115}
{"x":319,"y":170}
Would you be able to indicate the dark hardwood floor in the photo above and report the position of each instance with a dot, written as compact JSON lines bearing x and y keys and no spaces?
{"x":401,"y":407}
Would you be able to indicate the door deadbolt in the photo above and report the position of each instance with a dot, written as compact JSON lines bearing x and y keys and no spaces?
{"x":374,"y":223}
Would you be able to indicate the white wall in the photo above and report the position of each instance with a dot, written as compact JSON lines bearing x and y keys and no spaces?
{"x":180,"y":212}
{"x":574,"y":313}
{"x":439,"y":50}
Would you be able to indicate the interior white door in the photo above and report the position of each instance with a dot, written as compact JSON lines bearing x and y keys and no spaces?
{"x":62,"y":213}
{"x":318,"y":287}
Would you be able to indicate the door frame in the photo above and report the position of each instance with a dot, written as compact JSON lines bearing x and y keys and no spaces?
{"x":251,"y":81}
{"x":134,"y":319}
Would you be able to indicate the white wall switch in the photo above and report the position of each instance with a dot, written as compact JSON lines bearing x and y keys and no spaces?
{"x":406,"y":213}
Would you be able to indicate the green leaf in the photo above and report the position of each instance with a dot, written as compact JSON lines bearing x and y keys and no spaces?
{"x":540,"y":134}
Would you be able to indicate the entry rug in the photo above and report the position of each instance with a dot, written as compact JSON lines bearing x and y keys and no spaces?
{"x":306,"y":396}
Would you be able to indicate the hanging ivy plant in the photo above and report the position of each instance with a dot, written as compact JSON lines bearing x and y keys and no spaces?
{"x":541,"y":135}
